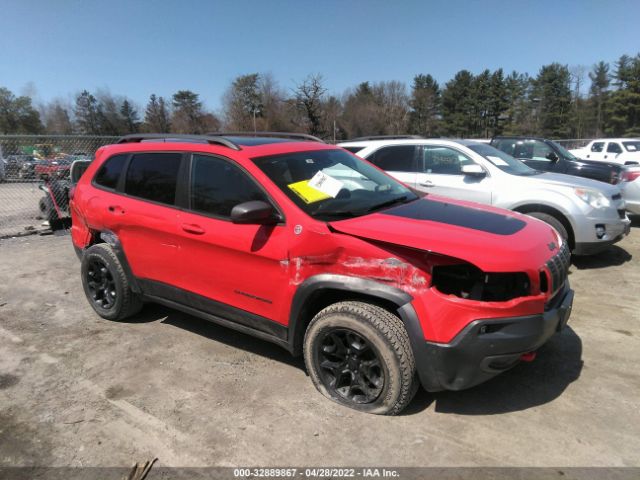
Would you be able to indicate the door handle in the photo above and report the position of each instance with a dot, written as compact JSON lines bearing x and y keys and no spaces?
{"x":193,"y":229}
{"x":427,"y":183}
{"x":605,"y":156}
{"x":116,"y":209}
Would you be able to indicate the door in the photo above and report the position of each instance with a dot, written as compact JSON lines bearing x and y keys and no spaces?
{"x":144,"y":218}
{"x":398,"y":160}
{"x":612,"y":151}
{"x":441,"y":173}
{"x":596,"y":151}
{"x":538,"y":155}
{"x":233,"y":265}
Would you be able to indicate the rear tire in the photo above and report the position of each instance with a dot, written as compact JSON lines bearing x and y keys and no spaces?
{"x":107,"y":285}
{"x":553,"y":221}
{"x":359,"y":355}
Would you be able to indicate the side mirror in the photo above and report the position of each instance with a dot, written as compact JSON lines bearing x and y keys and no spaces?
{"x":254,"y":212}
{"x":473,"y":170}
{"x":553,"y":157}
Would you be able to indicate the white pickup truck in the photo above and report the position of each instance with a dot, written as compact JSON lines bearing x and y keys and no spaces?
{"x":625,"y":151}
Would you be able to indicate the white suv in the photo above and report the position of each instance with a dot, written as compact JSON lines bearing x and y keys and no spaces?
{"x":589,"y":214}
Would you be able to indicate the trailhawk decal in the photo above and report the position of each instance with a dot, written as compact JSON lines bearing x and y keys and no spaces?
{"x":458,"y":215}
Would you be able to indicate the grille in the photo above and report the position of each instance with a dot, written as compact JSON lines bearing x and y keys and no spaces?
{"x":559,"y":267}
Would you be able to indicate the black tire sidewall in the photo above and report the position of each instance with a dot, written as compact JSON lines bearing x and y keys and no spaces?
{"x":390,"y":363}
{"x":553,"y":221}
{"x":96,"y":252}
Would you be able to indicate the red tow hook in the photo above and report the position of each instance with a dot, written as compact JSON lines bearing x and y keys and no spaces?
{"x":528,"y":357}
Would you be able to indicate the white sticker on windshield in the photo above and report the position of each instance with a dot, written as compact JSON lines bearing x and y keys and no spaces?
{"x":631,"y":148}
{"x":497,"y":161}
{"x":326,"y":184}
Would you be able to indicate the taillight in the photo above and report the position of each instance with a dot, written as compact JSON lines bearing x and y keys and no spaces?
{"x":630,"y":176}
{"x":72,"y":191}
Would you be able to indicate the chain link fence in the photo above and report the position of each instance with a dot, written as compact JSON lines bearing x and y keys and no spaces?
{"x":570,"y":144}
{"x":29,"y":165}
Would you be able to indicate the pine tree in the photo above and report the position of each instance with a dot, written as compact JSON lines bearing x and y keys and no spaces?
{"x":129,"y":117}
{"x":425,"y":103}
{"x":552,"y":94}
{"x":156,"y":116}
{"x":87,"y":114}
{"x":598,"y":93}
{"x":187,"y":113}
{"x":458,"y":105}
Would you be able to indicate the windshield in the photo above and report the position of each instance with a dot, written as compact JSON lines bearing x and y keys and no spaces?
{"x":502,"y":160}
{"x":632,"y":146}
{"x":333,"y":184}
{"x":564,"y":152}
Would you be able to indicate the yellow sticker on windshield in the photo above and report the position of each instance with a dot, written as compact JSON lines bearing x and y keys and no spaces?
{"x":307,"y":193}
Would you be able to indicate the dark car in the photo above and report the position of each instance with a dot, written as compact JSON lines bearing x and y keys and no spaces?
{"x":21,"y":166}
{"x":548,"y":156}
{"x":308,"y":246}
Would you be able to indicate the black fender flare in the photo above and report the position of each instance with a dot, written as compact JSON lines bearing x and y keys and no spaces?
{"x":111,"y":239}
{"x":371,"y":288}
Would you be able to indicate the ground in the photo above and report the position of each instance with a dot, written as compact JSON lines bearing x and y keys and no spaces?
{"x":19,"y":210}
{"x":77,"y":390}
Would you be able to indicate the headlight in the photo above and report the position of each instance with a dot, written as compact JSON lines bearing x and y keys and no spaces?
{"x":593,"y":197}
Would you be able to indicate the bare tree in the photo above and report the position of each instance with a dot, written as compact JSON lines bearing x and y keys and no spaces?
{"x":56,"y":118}
{"x":309,"y":96}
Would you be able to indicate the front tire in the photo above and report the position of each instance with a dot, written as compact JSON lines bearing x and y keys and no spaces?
{"x":106,"y":284}
{"x":359,"y":355}
{"x":553,"y":221}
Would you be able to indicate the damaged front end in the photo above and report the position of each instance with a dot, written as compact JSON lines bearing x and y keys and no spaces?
{"x":469,"y":282}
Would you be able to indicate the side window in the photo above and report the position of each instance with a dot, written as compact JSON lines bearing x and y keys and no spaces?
{"x":109,"y":173}
{"x":614,"y":147}
{"x":521,"y":149}
{"x":398,"y":158}
{"x":217,"y":186}
{"x":542,"y":151}
{"x":597,"y":147}
{"x":444,"y":160}
{"x":153,"y":176}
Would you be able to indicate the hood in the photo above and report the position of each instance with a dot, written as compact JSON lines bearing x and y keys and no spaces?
{"x":597,"y":163}
{"x":493,"y":239}
{"x":577,"y":182}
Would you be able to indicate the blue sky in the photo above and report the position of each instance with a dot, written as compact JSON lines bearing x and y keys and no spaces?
{"x":136,"y":48}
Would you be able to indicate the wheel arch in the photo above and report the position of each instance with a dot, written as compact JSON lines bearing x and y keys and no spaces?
{"x":554,"y":212}
{"x":112,"y":239}
{"x":320,"y":291}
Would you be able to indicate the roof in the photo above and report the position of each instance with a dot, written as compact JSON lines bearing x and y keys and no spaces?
{"x":257,"y":144}
{"x":408,"y":141}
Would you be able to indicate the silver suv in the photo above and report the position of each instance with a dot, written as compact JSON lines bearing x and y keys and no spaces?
{"x":589,"y":214}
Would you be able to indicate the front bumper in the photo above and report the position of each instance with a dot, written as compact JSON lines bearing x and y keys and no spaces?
{"x":614,"y":236}
{"x":488,"y":347}
{"x":616,"y":226}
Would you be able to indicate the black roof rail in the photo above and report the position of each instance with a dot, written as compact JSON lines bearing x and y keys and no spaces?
{"x":178,"y":137}
{"x":385,"y":137}
{"x":291,"y":135}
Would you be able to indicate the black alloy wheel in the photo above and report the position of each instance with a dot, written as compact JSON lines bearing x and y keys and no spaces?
{"x":101,"y":285}
{"x":349,"y":366}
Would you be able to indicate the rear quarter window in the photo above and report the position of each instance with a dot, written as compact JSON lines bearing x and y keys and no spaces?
{"x":153,"y":176}
{"x":110,"y":171}
{"x":396,"y":158}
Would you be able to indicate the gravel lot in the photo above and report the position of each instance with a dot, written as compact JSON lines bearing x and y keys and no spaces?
{"x":19,"y":207}
{"x":76,"y":390}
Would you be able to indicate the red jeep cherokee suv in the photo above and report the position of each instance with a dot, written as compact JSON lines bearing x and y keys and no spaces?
{"x":307,"y":246}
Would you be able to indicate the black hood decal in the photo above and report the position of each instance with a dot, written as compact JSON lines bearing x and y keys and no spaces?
{"x":458,"y":215}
